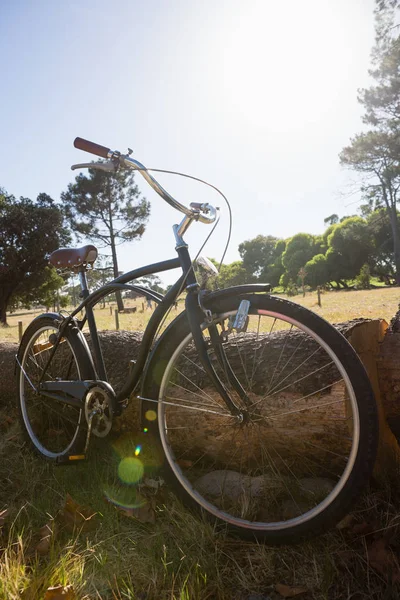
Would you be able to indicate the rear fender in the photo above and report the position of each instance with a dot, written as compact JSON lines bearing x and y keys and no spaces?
{"x":81,"y":347}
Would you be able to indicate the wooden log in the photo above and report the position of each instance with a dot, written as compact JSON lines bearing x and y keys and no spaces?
{"x":377,"y":346}
{"x":370,"y":342}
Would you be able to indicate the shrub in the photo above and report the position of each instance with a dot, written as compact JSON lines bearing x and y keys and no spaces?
{"x":363,"y":279}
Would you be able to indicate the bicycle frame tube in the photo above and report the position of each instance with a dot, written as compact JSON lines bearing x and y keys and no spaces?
{"x":90,"y":300}
{"x":121,"y":281}
{"x":148,"y":338}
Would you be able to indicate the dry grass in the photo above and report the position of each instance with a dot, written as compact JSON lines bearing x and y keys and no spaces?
{"x":336,"y":308}
{"x":105,"y":319}
{"x":179,"y":557}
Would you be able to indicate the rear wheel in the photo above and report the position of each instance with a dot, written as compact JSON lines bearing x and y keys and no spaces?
{"x":303,"y":446}
{"x":55,"y":429}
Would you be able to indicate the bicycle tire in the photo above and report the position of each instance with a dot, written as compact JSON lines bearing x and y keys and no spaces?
{"x":186,"y":453}
{"x":55,"y":430}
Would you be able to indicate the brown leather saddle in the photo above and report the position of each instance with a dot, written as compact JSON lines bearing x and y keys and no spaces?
{"x":73,"y":258}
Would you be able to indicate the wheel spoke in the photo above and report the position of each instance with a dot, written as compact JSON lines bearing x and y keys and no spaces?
{"x":52,"y":428}
{"x":292,"y":448}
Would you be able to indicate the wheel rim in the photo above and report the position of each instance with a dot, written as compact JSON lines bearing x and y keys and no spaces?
{"x":52,"y":426}
{"x":293,"y":457}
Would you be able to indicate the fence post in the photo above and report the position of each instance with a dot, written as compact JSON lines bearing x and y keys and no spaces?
{"x":20,"y":330}
{"x":319,"y":295}
{"x":110,"y":311}
{"x":116,"y":319}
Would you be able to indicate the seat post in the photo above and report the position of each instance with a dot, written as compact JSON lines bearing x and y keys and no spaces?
{"x":97,"y":353}
{"x":83,"y":281}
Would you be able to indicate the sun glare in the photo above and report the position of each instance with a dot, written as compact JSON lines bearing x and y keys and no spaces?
{"x":278,"y":59}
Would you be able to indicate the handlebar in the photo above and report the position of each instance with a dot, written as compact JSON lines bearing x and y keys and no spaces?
{"x":91,"y":147}
{"x":205,"y":213}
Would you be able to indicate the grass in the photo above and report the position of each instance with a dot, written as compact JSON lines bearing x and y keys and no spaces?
{"x":105,"y":319}
{"x":336,"y":307}
{"x":179,"y":556}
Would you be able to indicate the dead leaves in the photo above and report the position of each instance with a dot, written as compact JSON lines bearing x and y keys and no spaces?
{"x":383,"y":560}
{"x":47,"y":536}
{"x":60,"y":592}
{"x":287,"y":591}
{"x":72,"y":518}
{"x":145,"y":513}
{"x":377,"y":545}
{"x":4,"y":514}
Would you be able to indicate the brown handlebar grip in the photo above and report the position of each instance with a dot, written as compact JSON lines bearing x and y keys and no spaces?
{"x":91,"y":147}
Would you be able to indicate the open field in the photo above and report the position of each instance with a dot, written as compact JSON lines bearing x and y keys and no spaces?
{"x":336,"y":308}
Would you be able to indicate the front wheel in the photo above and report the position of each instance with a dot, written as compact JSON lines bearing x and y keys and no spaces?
{"x":302,"y":447}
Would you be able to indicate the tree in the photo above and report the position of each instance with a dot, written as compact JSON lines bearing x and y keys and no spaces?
{"x":350,"y":246}
{"x":374,"y":154}
{"x":271,"y":273}
{"x":317,"y":270}
{"x":29,"y":232}
{"x":381,"y":263}
{"x":332,"y":219}
{"x":152,"y":282}
{"x":48,"y":293}
{"x":232,"y":274}
{"x":299,"y":250}
{"x":257,"y":254}
{"x":107,"y":207}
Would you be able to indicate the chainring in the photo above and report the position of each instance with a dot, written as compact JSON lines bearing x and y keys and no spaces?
{"x":98,"y":401}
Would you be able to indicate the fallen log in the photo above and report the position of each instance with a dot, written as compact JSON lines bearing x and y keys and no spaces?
{"x":376,"y":344}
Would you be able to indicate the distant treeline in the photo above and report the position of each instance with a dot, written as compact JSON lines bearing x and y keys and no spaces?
{"x":349,"y":247}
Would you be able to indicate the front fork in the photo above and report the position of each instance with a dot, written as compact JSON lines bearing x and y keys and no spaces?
{"x":196,"y":316}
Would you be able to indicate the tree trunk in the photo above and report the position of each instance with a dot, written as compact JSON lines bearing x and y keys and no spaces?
{"x":396,"y":241}
{"x":5,"y":295}
{"x":118,"y":296}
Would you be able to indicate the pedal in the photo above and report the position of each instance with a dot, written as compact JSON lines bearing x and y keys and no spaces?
{"x":71,"y":459}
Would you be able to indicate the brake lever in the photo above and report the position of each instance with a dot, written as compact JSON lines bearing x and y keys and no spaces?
{"x":108,"y":165}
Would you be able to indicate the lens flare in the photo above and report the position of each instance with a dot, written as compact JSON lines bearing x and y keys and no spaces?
{"x":124,"y":496}
{"x":130,"y":470}
{"x":151,"y":415}
{"x":136,"y":455}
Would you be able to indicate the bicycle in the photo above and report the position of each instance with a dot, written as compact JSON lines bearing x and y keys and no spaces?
{"x":262,"y":410}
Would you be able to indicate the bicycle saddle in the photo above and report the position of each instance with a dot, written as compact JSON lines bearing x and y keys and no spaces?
{"x":73,"y":257}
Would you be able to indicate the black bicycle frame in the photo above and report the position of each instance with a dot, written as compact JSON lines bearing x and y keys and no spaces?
{"x":71,"y":393}
{"x":164,"y":303}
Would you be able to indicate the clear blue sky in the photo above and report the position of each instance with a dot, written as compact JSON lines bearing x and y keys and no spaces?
{"x":257,"y":97}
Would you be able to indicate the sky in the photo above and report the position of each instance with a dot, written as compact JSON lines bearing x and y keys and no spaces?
{"x":256,"y":97}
